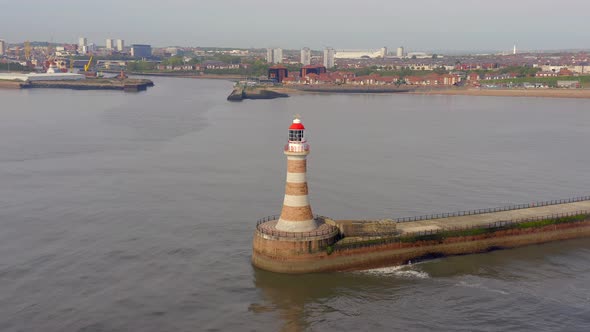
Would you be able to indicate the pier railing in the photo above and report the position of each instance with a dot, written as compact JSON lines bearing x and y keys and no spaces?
{"x":490,"y":210}
{"x":296,"y":235}
{"x":442,"y":233}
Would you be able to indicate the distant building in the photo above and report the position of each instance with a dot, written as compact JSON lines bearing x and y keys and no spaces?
{"x":565,"y":72}
{"x":110,"y":43}
{"x":274,"y":55}
{"x":568,"y":84}
{"x":315,"y":69}
{"x":400,"y":52}
{"x":546,"y":74}
{"x":90,"y":48}
{"x":418,"y":55}
{"x":278,"y":73}
{"x":305,"y":56}
{"x":473,"y":77}
{"x":174,"y":51}
{"x":82,"y":41}
{"x":360,"y":54}
{"x":120,"y":45}
{"x":2,"y":47}
{"x":141,"y":51}
{"x":329,"y":57}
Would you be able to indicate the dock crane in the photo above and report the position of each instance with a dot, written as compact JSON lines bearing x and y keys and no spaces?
{"x":87,"y":66}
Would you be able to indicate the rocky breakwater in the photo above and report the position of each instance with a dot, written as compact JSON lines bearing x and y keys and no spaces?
{"x":239,"y":94}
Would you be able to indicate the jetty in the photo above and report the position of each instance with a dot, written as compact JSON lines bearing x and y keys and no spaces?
{"x":240,"y":93}
{"x":296,"y":241}
{"x":71,"y":81}
{"x":127,"y":85}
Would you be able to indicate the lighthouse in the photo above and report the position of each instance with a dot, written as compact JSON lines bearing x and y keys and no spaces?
{"x":290,"y":242}
{"x":296,"y":215}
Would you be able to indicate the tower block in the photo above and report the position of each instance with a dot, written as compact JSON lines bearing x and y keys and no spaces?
{"x":296,"y":215}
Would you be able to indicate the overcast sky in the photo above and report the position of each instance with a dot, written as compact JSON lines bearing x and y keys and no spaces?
{"x":415,"y":24}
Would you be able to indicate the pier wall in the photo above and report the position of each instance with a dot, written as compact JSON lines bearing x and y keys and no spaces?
{"x":289,"y":261}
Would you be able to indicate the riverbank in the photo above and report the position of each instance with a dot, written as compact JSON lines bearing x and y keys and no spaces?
{"x":344,"y":89}
{"x":453,"y":91}
{"x":541,"y":93}
{"x":189,"y":75}
{"x":353,"y":89}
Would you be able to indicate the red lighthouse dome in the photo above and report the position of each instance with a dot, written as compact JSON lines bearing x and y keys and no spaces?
{"x":297,"y":125}
{"x":296,"y":131}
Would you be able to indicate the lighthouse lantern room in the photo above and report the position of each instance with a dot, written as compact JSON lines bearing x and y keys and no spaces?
{"x":297,"y":141}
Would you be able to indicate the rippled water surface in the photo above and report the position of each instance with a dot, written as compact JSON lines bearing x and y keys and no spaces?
{"x":135,"y":212}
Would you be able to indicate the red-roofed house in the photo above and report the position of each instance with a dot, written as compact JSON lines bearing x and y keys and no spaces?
{"x":473,"y":77}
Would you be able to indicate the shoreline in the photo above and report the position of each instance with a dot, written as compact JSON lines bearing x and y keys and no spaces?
{"x":189,"y":75}
{"x":451,"y":91}
{"x":536,"y":93}
{"x":539,"y":93}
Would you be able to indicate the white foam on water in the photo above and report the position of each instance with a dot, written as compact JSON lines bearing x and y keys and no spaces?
{"x":403,"y":271}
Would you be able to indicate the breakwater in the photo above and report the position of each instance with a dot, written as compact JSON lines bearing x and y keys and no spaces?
{"x":127,"y":85}
{"x":361,"y":244}
{"x":239,"y":94}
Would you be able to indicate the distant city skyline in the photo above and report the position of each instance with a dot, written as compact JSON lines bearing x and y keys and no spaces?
{"x":426,"y":25}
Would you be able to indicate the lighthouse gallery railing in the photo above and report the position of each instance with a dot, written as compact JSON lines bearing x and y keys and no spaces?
{"x":325,"y":231}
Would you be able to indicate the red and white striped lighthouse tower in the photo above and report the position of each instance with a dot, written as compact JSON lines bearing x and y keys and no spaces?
{"x":296,"y":214}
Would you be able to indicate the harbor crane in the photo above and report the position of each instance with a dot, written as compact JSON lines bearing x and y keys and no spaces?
{"x":87,"y":66}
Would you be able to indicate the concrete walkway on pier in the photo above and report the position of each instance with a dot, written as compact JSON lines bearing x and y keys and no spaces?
{"x":487,"y":218}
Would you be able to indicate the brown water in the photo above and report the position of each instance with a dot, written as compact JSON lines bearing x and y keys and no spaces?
{"x":135,"y":212}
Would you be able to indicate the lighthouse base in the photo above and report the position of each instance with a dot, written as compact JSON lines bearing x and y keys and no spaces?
{"x":273,"y":249}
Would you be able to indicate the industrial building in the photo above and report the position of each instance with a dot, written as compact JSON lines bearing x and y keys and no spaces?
{"x":274,"y":55}
{"x":278,"y":73}
{"x":329,"y":57}
{"x":141,"y":51}
{"x":305,"y":56}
